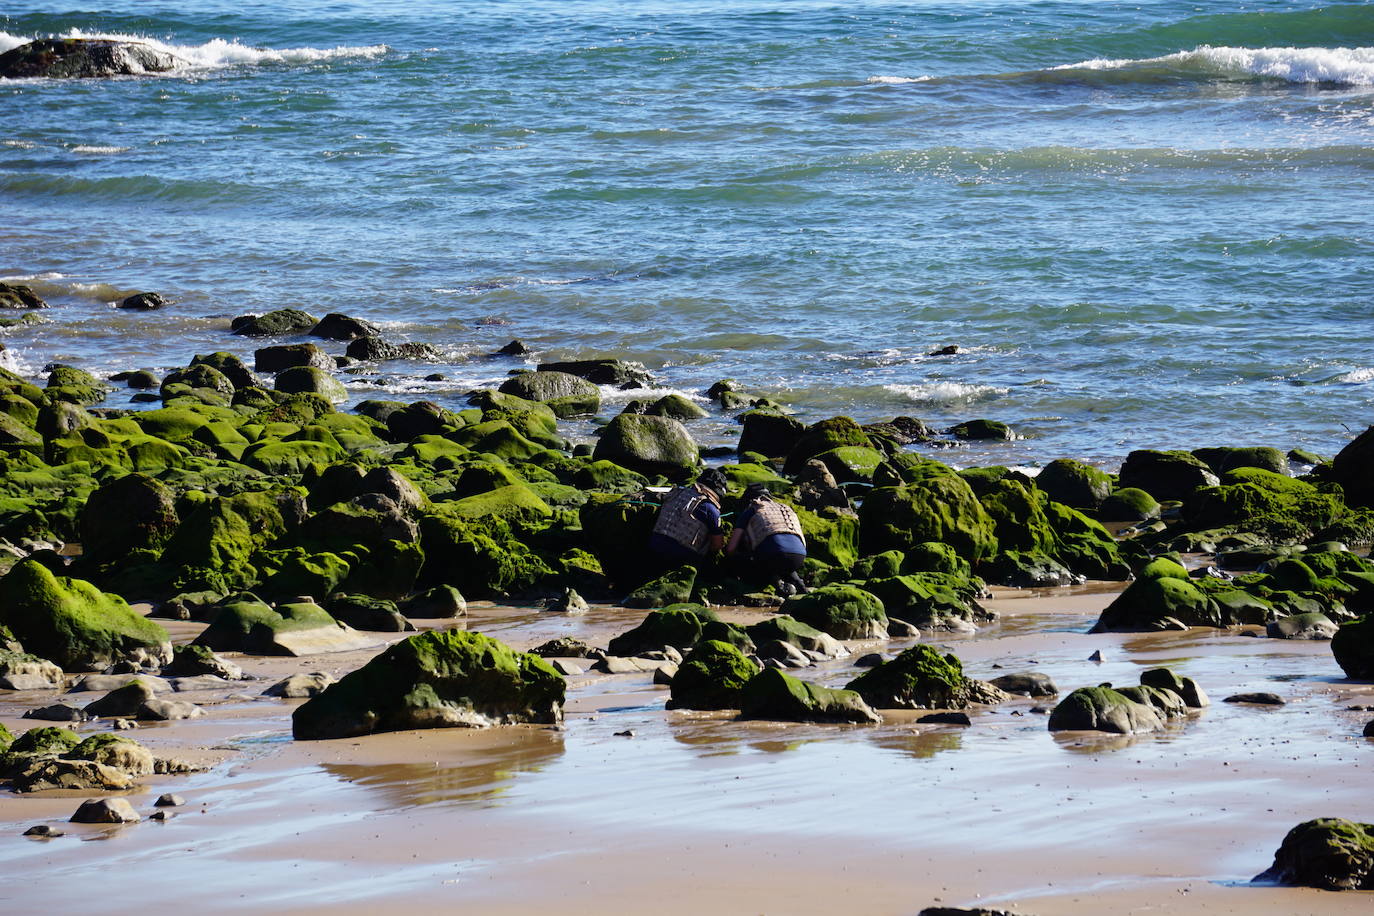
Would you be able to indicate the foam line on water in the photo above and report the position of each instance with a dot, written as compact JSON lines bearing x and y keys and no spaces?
{"x":1342,"y":66}
{"x":217,"y":53}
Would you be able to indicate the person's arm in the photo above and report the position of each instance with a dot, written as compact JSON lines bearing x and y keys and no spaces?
{"x":710,"y":515}
{"x":736,"y":537}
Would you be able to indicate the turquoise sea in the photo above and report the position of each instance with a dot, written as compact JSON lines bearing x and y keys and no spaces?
{"x":1145,"y":224}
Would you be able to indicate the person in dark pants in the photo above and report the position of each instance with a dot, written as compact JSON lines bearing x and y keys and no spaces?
{"x":768,"y":541}
{"x":688,"y":527}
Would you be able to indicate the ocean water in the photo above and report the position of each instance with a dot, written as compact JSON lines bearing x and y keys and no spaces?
{"x":1145,"y":224}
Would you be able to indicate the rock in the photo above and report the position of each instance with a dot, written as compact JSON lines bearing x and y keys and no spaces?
{"x":58,"y":712}
{"x":1353,"y":648}
{"x":615,"y":372}
{"x":1166,"y":475}
{"x":1130,"y":504}
{"x":308,"y":379}
{"x":435,"y":680}
{"x":364,"y":613}
{"x":711,"y":677}
{"x":566,"y":669}
{"x":1330,"y":853}
{"x":123,"y":702}
{"x":1162,"y":591}
{"x":1103,"y":709}
{"x":616,"y":664}
{"x":566,"y":394}
{"x":648,"y":445}
{"x":190,"y":661}
{"x":1097,"y":656}
{"x":42,"y":774}
{"x":168,"y":710}
{"x":566,"y":647}
{"x":1259,"y":699}
{"x":769,"y":433}
{"x":43,"y":831}
{"x":1026,"y":684}
{"x":775,"y":696}
{"x":871,"y":660}
{"x":785,"y":653}
{"x":301,"y":628}
{"x":1074,"y":483}
{"x":287,"y":356}
{"x":1369,"y":729}
{"x":843,"y":611}
{"x":73,"y":623}
{"x":900,"y":629}
{"x":21,"y":671}
{"x":1222,"y":460}
{"x":195,"y":682}
{"x":229,"y":365}
{"x":921,"y":678}
{"x":673,"y":587}
{"x":803,"y":636}
{"x":335,"y":326}
{"x":105,"y":811}
{"x":570,"y":602}
{"x":1302,"y":626}
{"x":374,"y":349}
{"x":664,"y":674}
{"x":514,"y":348}
{"x":133,"y":512}
{"x":678,"y":625}
{"x":1185,"y":687}
{"x":82,"y":58}
{"x":441,"y":601}
{"x":17,"y":296}
{"x":98,"y":683}
{"x":300,"y":685}
{"x":144,"y":302}
{"x":168,"y":800}
{"x":677,"y":407}
{"x":981,"y":430}
{"x":945,"y":718}
{"x":936,"y":506}
{"x":274,"y":324}
{"x":123,"y":754}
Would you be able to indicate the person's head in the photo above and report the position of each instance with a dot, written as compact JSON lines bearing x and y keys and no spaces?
{"x":714,"y":480}
{"x":757,"y":492}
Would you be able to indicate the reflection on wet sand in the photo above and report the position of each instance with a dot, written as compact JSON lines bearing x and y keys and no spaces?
{"x":480,"y":779}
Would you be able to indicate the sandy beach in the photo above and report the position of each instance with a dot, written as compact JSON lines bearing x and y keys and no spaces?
{"x":695,"y":812}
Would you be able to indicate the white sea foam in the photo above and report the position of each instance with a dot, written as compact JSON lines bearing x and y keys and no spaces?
{"x":100,"y":150}
{"x":1356,"y":376}
{"x":217,"y":53}
{"x":897,"y":80}
{"x":1344,"y":66}
{"x":19,"y":144}
{"x":947,"y":394}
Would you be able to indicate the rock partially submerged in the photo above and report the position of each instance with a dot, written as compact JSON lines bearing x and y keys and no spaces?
{"x":439,"y":679}
{"x":83,"y":58}
{"x":921,"y":678}
{"x":772,"y":695}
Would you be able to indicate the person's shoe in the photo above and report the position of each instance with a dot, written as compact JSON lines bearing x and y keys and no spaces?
{"x":786,"y":589}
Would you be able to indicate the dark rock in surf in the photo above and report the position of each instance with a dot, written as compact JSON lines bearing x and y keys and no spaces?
{"x":374,"y":349}
{"x":1330,"y":853}
{"x":144,"y":302}
{"x":274,"y":323}
{"x":83,"y":58}
{"x":603,"y":371}
{"x":287,"y":356}
{"x":15,"y":296}
{"x":514,"y":348}
{"x":335,"y":326}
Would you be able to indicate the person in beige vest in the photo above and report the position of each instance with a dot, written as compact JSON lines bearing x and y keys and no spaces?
{"x":767,"y":543}
{"x":688,"y":528}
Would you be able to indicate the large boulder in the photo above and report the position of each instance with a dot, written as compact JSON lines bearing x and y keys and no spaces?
{"x":1166,"y":475}
{"x":566,"y":394}
{"x":775,"y":696}
{"x":769,"y":433}
{"x":286,"y":356}
{"x":649,"y":445}
{"x":1074,"y":483}
{"x":1353,"y":647}
{"x":439,"y":679}
{"x":672,"y":587}
{"x":22,"y":671}
{"x":274,"y":323}
{"x":309,"y":379}
{"x":843,"y":611}
{"x":1103,"y":709}
{"x":1161,"y":598}
{"x":616,"y":372}
{"x":938,"y":507}
{"x":1273,"y":505}
{"x":133,"y":512}
{"x":73,"y":58}
{"x":18,"y":296}
{"x":74,"y":624}
{"x":922,"y":678}
{"x":711,"y":677}
{"x":1330,"y":853}
{"x":335,"y":326}
{"x":823,"y":436}
{"x":1222,"y":460}
{"x":244,"y":624}
{"x":1350,"y":469}
{"x":678,"y":625}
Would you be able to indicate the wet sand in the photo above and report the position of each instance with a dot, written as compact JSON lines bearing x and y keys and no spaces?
{"x":697,"y":813}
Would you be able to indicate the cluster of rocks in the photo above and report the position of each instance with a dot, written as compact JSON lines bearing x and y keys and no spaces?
{"x":49,"y":757}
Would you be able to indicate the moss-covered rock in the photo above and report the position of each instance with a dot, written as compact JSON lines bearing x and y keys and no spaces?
{"x":439,"y":679}
{"x":1330,"y":853}
{"x":770,"y":433}
{"x":1156,"y":602}
{"x":843,"y":611}
{"x":251,"y":626}
{"x":1350,"y":469}
{"x":1103,"y":709}
{"x":649,"y":445}
{"x":310,"y":380}
{"x":274,"y":324}
{"x":712,"y":676}
{"x":1074,"y":483}
{"x":366,"y":613}
{"x":133,"y":512}
{"x":115,"y":751}
{"x":775,"y":696}
{"x":1273,"y":505}
{"x":672,"y":587}
{"x":441,"y":601}
{"x":482,"y":560}
{"x":929,"y":600}
{"x":677,"y":407}
{"x":678,"y":625}
{"x":852,"y":463}
{"x":214,"y":544}
{"x":1223,"y":460}
{"x":1129,"y":504}
{"x":1353,"y":647}
{"x":836,"y":432}
{"x":982,"y":429}
{"x":790,"y":630}
{"x":1166,"y":475}
{"x":75,"y":624}
{"x":941,"y":507}
{"x":922,"y":678}
{"x":566,"y":394}
{"x":47,"y":740}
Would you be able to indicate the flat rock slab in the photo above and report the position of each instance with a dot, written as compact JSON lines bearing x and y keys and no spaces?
{"x":299,"y":686}
{"x":29,"y":682}
{"x":1258,"y":699}
{"x":198,"y":682}
{"x":103,"y":683}
{"x":59,"y":773}
{"x":168,"y":710}
{"x":58,"y":712}
{"x":318,"y":640}
{"x":105,"y":811}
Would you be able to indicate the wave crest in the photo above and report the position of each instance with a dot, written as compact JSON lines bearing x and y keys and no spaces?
{"x":217,"y":53}
{"x":948,"y":394}
{"x":1330,"y":66}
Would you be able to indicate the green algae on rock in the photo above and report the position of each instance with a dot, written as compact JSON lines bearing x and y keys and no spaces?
{"x":677,"y":625}
{"x":1103,"y":709}
{"x":712,"y":676}
{"x":772,"y":695}
{"x":649,"y":445}
{"x":1353,"y":648}
{"x":438,"y":679}
{"x":843,"y":611}
{"x":1331,"y":853}
{"x":922,"y":678}
{"x":73,"y":623}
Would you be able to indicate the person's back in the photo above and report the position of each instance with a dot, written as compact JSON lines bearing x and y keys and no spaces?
{"x":688,"y":524}
{"x":769,"y":535}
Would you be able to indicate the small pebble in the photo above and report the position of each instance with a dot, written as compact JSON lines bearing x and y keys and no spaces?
{"x":627,"y":733}
{"x":42,"y":830}
{"x":159,"y":816}
{"x":1096,"y":656}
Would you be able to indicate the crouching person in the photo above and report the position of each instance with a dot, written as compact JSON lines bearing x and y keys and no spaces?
{"x":767,"y":541}
{"x":688,"y":527}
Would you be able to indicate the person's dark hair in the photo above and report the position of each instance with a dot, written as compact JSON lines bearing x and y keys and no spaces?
{"x":757,"y":491}
{"x":713,"y":479}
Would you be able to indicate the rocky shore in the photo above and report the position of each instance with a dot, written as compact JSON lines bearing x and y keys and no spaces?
{"x":239,"y":527}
